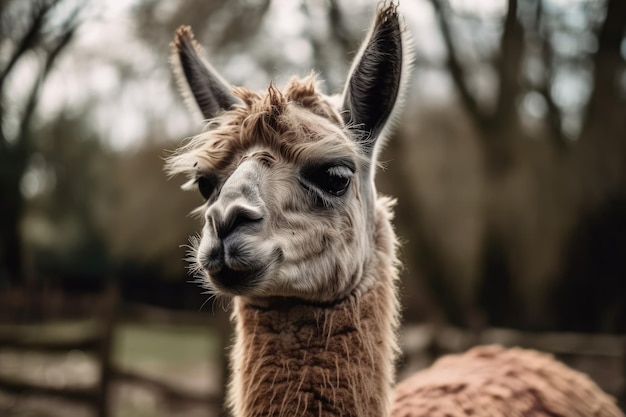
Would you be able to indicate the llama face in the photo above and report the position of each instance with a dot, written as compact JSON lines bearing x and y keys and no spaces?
{"x":287,"y":175}
{"x":280,"y":228}
{"x":284,"y":214}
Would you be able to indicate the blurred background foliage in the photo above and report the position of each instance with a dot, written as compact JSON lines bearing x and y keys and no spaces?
{"x":512,"y":146}
{"x":509,"y":162}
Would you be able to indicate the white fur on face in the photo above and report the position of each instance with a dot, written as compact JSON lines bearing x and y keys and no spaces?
{"x":306,"y":243}
{"x":270,"y":228}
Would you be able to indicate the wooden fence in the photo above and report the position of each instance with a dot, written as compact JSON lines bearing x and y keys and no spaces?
{"x":99,"y":340}
{"x":601,"y":356}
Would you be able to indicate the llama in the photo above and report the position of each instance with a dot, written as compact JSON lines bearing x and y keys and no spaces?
{"x":497,"y":382}
{"x":296,"y":234}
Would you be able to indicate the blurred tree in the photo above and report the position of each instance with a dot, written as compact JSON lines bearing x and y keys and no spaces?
{"x":151,"y":222}
{"x":53,"y":162}
{"x":261,"y":40}
{"x":33,"y":34}
{"x":70,"y":203}
{"x":544,"y":85}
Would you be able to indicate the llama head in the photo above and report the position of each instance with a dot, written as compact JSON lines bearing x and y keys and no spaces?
{"x":287,"y":175}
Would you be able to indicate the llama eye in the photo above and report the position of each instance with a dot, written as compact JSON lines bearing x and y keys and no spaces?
{"x":333,"y":179}
{"x":206,"y":186}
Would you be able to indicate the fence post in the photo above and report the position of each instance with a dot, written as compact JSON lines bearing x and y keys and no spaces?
{"x":621,"y":397}
{"x":110,"y":306}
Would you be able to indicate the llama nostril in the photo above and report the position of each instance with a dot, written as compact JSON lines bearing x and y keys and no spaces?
{"x":238,"y":217}
{"x":212,"y":259}
{"x":217,"y":253}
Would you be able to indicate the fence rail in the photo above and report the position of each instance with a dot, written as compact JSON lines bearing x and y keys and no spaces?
{"x":97,"y":336}
{"x":421,"y":345}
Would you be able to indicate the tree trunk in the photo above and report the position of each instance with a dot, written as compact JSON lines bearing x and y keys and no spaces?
{"x":12,"y":166}
{"x":592,"y":288}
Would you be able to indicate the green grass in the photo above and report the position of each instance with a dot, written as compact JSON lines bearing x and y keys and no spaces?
{"x":184,"y":356}
{"x":162,"y":348}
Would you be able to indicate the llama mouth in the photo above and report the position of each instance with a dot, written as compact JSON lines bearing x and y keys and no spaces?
{"x":234,"y":281}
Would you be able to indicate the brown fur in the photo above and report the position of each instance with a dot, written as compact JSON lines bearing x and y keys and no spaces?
{"x":291,"y":123}
{"x":295,"y":359}
{"x":497,"y":382}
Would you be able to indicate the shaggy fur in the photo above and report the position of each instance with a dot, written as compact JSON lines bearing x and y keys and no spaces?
{"x":311,"y":253}
{"x":298,"y":359}
{"x":311,"y":263}
{"x":497,"y":382}
{"x":316,"y":319}
{"x":294,"y":124}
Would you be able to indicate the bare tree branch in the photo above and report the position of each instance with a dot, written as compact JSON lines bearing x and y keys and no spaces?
{"x":321,"y":56}
{"x":33,"y":98}
{"x":608,"y":61}
{"x":14,"y":156}
{"x":554,"y":116}
{"x":39,"y":13}
{"x":318,"y":47}
{"x":456,"y":68}
{"x":508,"y":65}
{"x":245,"y":23}
{"x":338,"y":28}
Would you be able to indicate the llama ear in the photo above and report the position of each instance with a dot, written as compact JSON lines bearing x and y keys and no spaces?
{"x":372,"y":87}
{"x":211,"y":93}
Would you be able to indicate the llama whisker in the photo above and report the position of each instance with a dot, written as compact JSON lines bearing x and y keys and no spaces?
{"x":206,"y":301}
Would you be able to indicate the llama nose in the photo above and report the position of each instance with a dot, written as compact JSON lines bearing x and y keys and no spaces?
{"x":239,"y":205}
{"x":225,"y":220}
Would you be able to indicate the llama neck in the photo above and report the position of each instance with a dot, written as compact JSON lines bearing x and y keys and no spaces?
{"x":294,"y":359}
